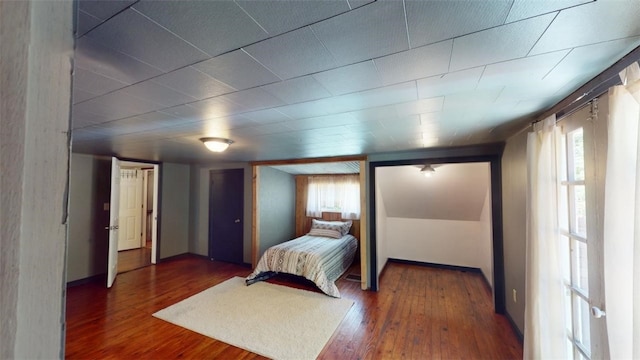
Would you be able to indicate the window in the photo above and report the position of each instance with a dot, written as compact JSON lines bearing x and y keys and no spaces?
{"x":572,"y":215}
{"x":339,"y":193}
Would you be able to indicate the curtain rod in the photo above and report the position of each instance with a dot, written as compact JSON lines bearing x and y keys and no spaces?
{"x":590,"y":90}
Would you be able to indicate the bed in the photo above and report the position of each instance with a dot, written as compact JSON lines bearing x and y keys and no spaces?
{"x":322,"y":256}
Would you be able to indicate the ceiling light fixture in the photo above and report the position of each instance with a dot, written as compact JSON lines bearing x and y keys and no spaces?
{"x":427,"y":171}
{"x":216,"y":144}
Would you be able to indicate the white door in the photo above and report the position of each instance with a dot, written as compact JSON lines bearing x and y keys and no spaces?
{"x":114,"y":213}
{"x":130,"y":209}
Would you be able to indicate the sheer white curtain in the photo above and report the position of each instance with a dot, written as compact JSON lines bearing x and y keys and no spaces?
{"x":622,"y":219}
{"x":340,"y":193}
{"x":544,"y":329}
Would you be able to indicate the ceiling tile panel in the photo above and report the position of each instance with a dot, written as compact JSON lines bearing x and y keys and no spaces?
{"x":292,"y":54}
{"x":216,"y":107}
{"x":365,"y":33}
{"x":253,"y":99}
{"x":139,"y":123}
{"x":157,"y":93}
{"x":195,"y":113}
{"x":118,"y":105}
{"x":228,"y":26}
{"x":237,"y":69}
{"x":103,"y":9}
{"x":281,"y":16}
{"x":305,"y":110}
{"x":194,"y":83}
{"x":95,"y":83}
{"x":523,"y":9}
{"x":422,"y":106}
{"x":360,"y":78}
{"x":470,"y":100}
{"x":376,"y":114}
{"x":449,"y":19}
{"x":351,"y":78}
{"x":266,"y":116}
{"x":80,"y":95}
{"x":92,"y":56}
{"x":85,"y":22}
{"x":415,"y":63}
{"x":81,"y":117}
{"x":583,"y":62}
{"x":591,"y":23}
{"x":394,"y":94}
{"x":465,"y":80}
{"x":321,"y":122}
{"x":133,"y":34}
{"x":232,"y":122}
{"x":520,"y":72}
{"x":260,"y":130}
{"x":502,"y":43}
{"x":305,"y":88}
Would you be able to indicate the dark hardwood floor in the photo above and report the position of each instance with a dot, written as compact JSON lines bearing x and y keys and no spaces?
{"x":419,"y":313}
{"x":134,"y":259}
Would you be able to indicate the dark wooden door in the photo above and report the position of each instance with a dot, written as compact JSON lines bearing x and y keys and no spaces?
{"x":226,"y":200}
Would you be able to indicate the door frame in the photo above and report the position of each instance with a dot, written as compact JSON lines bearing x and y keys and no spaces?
{"x":490,"y":153}
{"x":157,"y":198}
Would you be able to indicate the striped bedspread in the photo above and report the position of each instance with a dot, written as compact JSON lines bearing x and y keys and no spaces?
{"x":319,"y":259}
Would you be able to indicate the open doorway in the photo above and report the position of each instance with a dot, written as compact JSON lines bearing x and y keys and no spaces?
{"x":489,"y":153}
{"x":136,"y":213}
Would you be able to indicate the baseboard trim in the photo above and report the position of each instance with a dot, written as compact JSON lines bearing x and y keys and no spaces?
{"x":515,"y":327}
{"x":90,"y":279}
{"x":177,"y":257}
{"x":439,"y":266}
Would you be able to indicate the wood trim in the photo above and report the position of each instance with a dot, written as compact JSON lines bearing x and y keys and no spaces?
{"x":363,"y":227}
{"x":309,"y":160}
{"x":301,"y":205}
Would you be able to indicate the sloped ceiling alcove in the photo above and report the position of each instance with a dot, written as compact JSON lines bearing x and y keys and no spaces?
{"x":454,"y":192}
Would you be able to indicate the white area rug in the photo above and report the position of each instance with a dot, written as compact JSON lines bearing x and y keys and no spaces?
{"x":271,"y":320}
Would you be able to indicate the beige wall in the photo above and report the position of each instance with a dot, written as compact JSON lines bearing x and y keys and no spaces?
{"x":88,"y":242}
{"x":36,"y":43}
{"x":174,"y":209}
{"x":514,"y":202}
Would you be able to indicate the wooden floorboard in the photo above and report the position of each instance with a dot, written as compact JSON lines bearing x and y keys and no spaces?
{"x":419,"y":313}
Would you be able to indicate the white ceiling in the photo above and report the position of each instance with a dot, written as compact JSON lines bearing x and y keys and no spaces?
{"x":302,"y":79}
{"x":453,"y":192}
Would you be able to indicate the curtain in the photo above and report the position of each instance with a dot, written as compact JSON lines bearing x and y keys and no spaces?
{"x":339,"y":193}
{"x":544,"y":331}
{"x":622,"y":219}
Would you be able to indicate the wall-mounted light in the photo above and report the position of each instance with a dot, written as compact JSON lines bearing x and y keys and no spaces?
{"x":216,"y":144}
{"x":427,"y":171}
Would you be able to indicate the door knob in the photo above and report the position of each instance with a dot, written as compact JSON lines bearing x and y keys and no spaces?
{"x":237,"y":221}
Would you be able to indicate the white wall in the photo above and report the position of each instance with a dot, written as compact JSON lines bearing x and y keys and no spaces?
{"x":448,"y":242}
{"x":37,"y":51}
{"x":200,"y":223}
{"x":381,"y":232}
